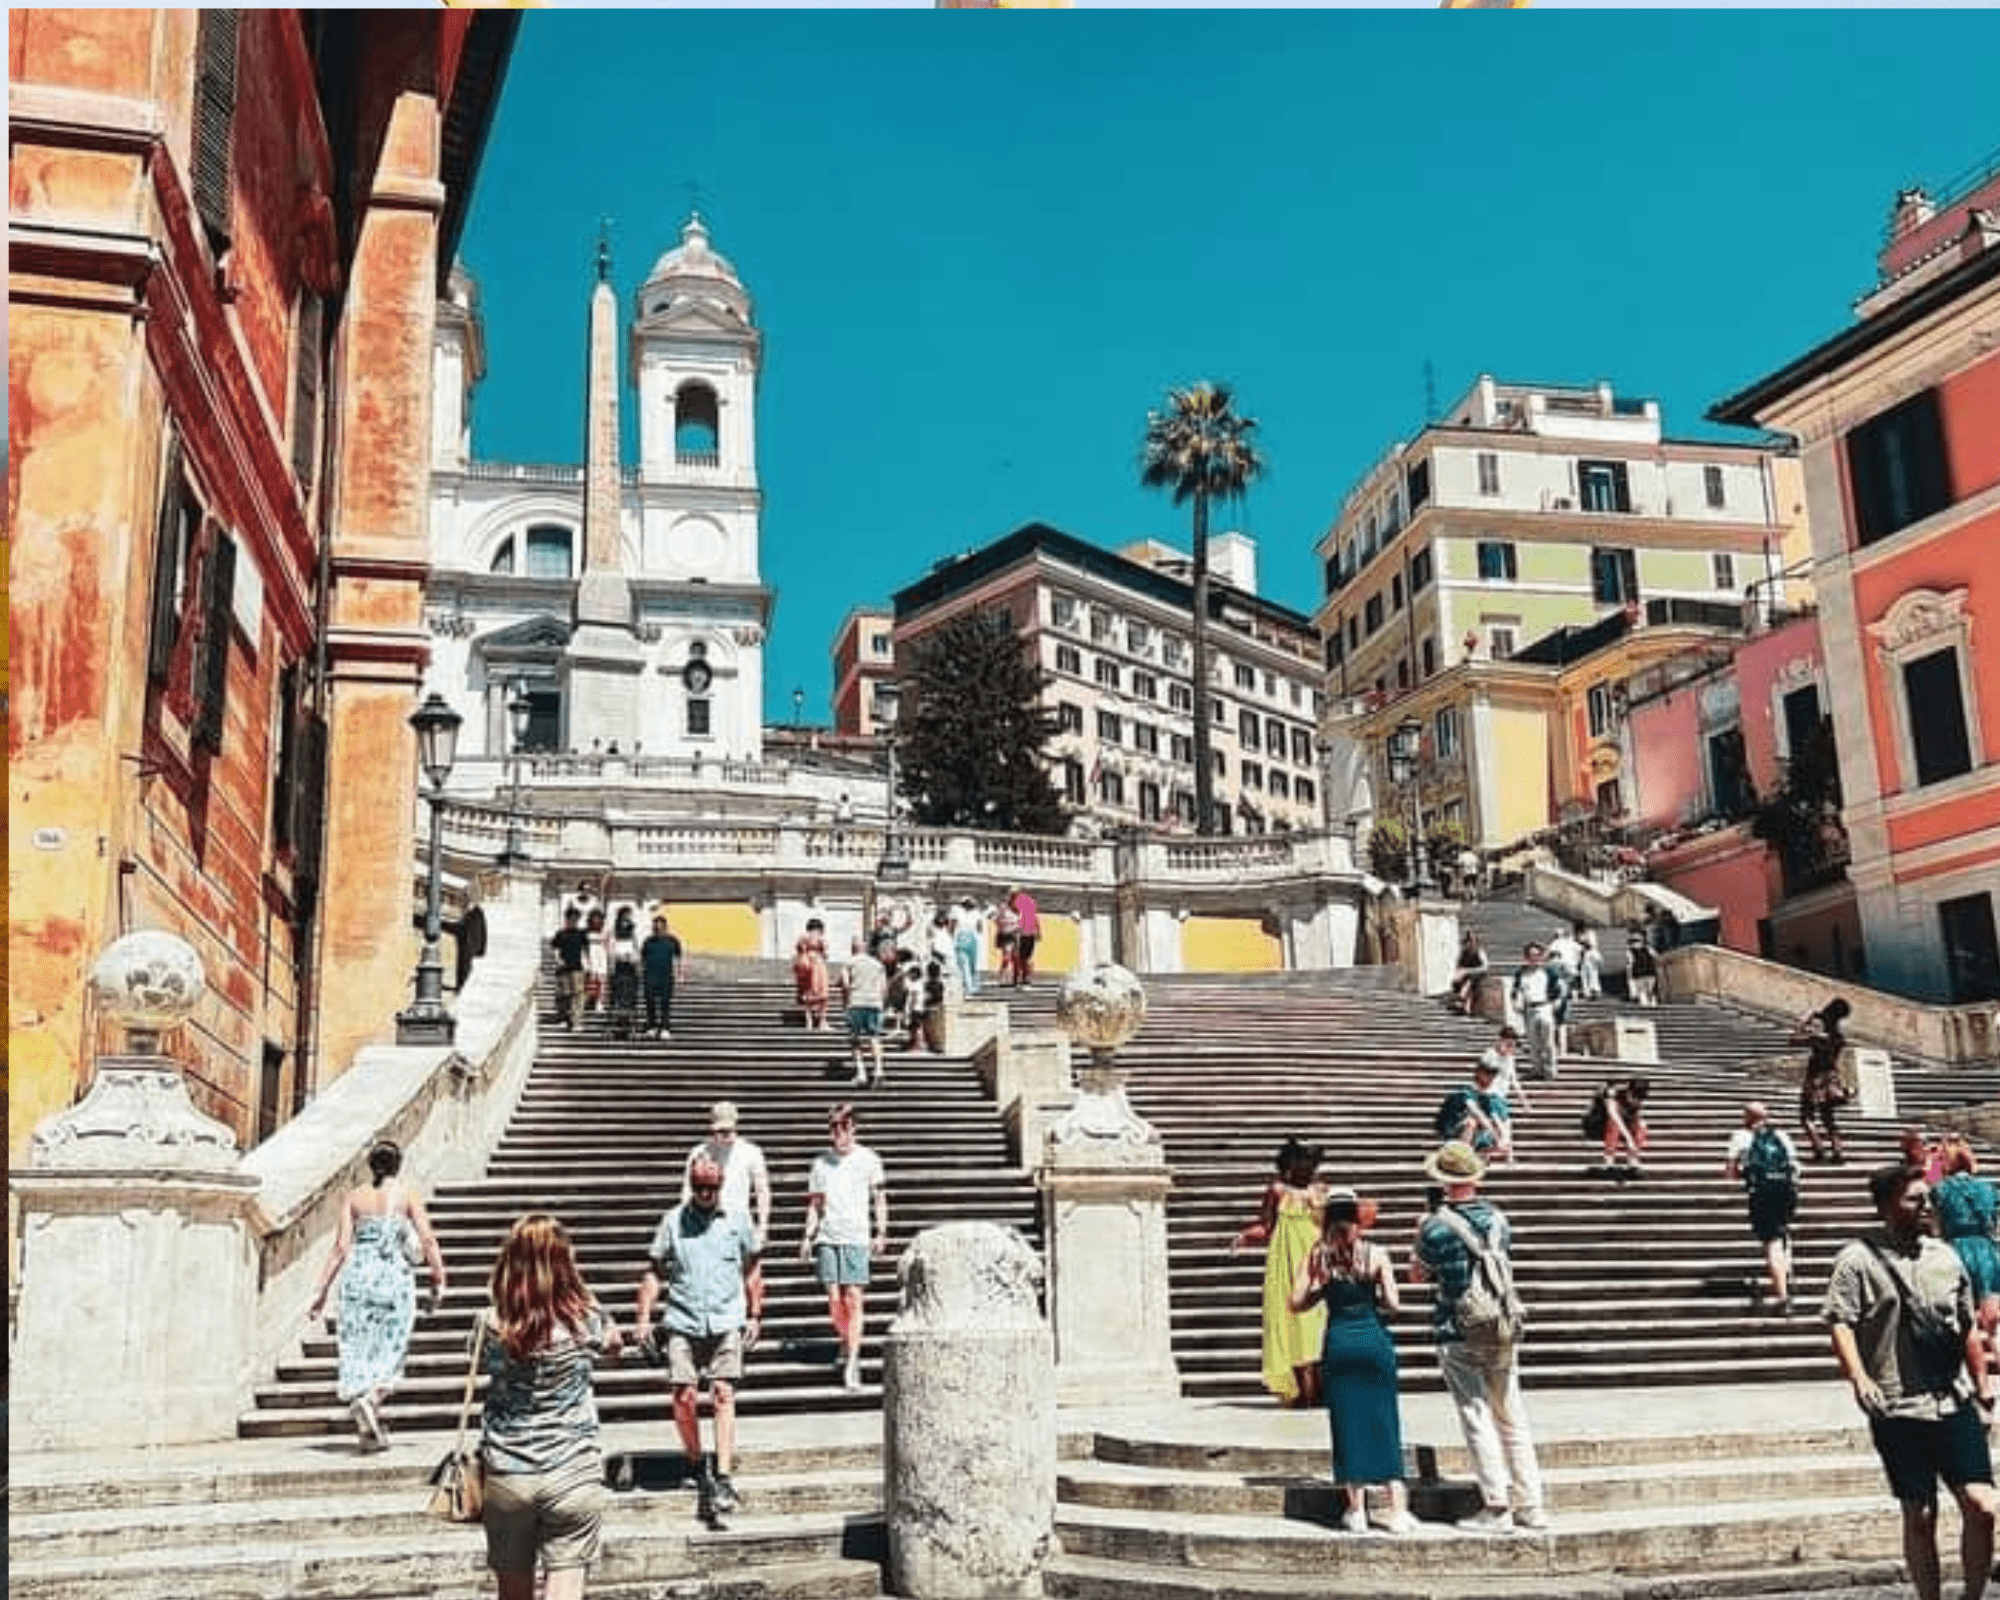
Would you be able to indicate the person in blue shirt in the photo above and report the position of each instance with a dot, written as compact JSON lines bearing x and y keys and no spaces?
{"x":705,"y":1260}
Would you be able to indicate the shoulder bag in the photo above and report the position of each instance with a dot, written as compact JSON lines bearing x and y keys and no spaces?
{"x":458,"y":1483}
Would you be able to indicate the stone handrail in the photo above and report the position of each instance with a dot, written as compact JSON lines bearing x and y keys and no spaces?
{"x":446,"y":1107}
{"x":1951,"y":1035}
{"x":1612,"y":905}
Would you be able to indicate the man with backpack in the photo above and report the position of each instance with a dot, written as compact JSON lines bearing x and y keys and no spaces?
{"x":1478,"y":1114}
{"x":1476,"y":1317}
{"x":1764,"y":1160}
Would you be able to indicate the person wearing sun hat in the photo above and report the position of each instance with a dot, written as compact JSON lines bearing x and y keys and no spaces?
{"x":1486,"y":1392}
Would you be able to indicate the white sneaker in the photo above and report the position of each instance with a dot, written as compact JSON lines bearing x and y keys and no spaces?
{"x":850,"y":1376}
{"x":1354,"y":1520}
{"x":1399,"y":1522}
{"x":1488,"y":1519}
{"x":860,"y":1078}
{"x":1534,"y":1519}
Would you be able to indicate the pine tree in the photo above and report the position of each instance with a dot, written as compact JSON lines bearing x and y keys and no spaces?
{"x":974,"y":731}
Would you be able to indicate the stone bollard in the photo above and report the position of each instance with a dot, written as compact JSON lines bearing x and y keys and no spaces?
{"x":969,"y":1419}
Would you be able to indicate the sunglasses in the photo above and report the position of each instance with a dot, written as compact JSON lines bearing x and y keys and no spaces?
{"x":705,"y":1188}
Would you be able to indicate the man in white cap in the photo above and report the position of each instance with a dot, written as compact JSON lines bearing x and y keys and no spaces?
{"x":1485,"y":1385}
{"x":746,"y":1181}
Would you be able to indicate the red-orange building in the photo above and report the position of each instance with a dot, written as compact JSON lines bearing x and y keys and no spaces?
{"x":1896,"y":419}
{"x":228,"y":231}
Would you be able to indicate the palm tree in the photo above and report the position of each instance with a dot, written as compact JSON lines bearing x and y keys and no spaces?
{"x":1200,"y":448}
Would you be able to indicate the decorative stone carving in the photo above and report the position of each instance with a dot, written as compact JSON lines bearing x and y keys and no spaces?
{"x":146,"y":982}
{"x":969,"y":1419}
{"x":1101,"y":1009}
{"x":749,"y":636}
{"x":1920,"y":614}
{"x":450,"y":624}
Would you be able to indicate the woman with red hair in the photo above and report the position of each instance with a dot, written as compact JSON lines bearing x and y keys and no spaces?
{"x":538,"y":1343}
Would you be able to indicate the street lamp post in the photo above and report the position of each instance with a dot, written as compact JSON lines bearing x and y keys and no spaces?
{"x":894,"y":866}
{"x":1406,"y":743}
{"x":519,"y":709}
{"x":427,"y":1022}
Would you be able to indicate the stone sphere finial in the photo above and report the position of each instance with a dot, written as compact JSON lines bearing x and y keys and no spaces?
{"x":1102,"y":1008}
{"x":146,"y":982}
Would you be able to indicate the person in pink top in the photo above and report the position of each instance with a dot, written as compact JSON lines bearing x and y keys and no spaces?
{"x":1026,"y":936}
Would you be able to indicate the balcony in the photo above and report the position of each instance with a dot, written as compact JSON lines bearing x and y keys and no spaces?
{"x":697,"y":458}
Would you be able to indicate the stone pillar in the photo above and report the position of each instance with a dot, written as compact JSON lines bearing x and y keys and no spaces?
{"x":139,"y":1271}
{"x":1871,"y":1076}
{"x":969,"y":1419}
{"x":1104,"y":1182}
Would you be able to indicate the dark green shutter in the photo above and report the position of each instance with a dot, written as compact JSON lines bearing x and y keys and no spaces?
{"x":305,"y":392}
{"x":214,"y":116}
{"x":211,"y":678}
{"x":166,"y":564}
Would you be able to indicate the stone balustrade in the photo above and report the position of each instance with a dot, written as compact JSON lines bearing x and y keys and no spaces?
{"x":1616,"y":904}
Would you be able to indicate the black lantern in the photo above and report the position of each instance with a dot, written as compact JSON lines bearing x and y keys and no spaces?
{"x":426,"y":1022}
{"x":520,"y":711}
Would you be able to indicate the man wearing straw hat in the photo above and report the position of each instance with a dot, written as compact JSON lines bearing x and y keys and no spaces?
{"x":1485,"y":1386}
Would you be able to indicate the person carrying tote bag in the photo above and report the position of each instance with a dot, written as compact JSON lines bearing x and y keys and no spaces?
{"x":543,"y":1465}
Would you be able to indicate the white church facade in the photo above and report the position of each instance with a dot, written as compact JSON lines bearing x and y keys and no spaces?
{"x":625,"y":603}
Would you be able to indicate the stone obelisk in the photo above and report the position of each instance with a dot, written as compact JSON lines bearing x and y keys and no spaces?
{"x":602,"y":664}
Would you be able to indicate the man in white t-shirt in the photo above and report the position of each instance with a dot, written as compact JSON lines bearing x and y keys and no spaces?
{"x":864,"y":987}
{"x":746,"y":1181}
{"x":846,"y":1185}
{"x":1537,"y":988}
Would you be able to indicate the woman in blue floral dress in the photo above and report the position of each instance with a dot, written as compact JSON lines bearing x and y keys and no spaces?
{"x":378,"y":1297}
{"x":1968,"y":1212}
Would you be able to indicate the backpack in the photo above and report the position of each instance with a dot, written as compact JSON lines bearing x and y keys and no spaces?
{"x":1490,"y":1314}
{"x":1766,"y":1166}
{"x":1451,"y":1113}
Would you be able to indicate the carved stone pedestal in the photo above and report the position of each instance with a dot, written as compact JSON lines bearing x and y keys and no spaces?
{"x":969,"y":1419}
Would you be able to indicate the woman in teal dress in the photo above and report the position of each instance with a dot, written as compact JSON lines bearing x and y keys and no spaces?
{"x":1967,"y":1209}
{"x":1356,"y":1281}
{"x":381,"y":1226}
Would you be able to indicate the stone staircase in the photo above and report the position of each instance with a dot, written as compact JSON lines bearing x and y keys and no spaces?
{"x":1637,"y":1294}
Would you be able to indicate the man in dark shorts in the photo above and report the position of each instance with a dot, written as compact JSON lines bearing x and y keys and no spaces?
{"x":570,"y":942}
{"x":1900,"y":1309}
{"x":1764,"y":1160}
{"x":706,"y":1260}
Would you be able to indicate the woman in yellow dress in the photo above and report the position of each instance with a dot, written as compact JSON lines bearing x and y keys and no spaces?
{"x":1288,"y":1226}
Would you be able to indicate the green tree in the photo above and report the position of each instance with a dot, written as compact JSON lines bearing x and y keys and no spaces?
{"x":1199,"y":448}
{"x":974,"y":731}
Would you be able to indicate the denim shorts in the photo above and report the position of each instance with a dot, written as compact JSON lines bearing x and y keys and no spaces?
{"x":1917,"y":1451}
{"x":557,"y":1514}
{"x":864,"y":1022}
{"x":840,"y":1264}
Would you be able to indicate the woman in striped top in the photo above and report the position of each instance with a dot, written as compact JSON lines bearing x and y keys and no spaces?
{"x":544,"y":1468}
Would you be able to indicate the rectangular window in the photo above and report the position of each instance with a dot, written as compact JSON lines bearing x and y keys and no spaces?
{"x":1496,"y":561}
{"x":1180,"y":697}
{"x":1253,"y":775}
{"x":1145,"y":686}
{"x":1146,"y":737}
{"x":1109,"y":727}
{"x":210,"y":682}
{"x":1445,"y":731}
{"x":1069,"y":718}
{"x":1420,"y":571}
{"x":1334,"y":576}
{"x":1419,"y":485}
{"x":1373,"y":611}
{"x":1062,"y":610}
{"x":1069,"y":658}
{"x":1100,"y":627}
{"x":1302,"y":748}
{"x":1712,"y":488}
{"x":1107,"y":672}
{"x":1603,"y":486}
{"x":1138,"y":638}
{"x":1429,"y":651}
{"x":548,"y":552}
{"x":1500,"y":643}
{"x":697,"y":719}
{"x":1729,"y":773}
{"x":1246,"y":677}
{"x":1281,"y":785}
{"x":1274,"y":736}
{"x":1246,"y":729}
{"x":1600,"y":709}
{"x":1936,"y":703}
{"x":1489,"y":472}
{"x":880,"y":644}
{"x":1354,"y":632}
{"x":1149,"y":801}
{"x":1899,"y":467}
{"x":1111,"y":788}
{"x":214,"y":122}
{"x":1396,"y":592}
{"x":173,"y":552}
{"x":1971,"y":948}
{"x":1614,"y":576}
{"x":1184,"y":807}
{"x":1173,"y":651}
{"x":1305,"y":792}
{"x":1073,"y":782}
{"x":1801,"y":720}
{"x":1218,"y":713}
{"x":1180,"y":747}
{"x":1722,"y":570}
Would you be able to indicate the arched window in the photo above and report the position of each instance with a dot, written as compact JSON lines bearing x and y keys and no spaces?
{"x":503,"y":558}
{"x":697,"y":425}
{"x":548,"y":551}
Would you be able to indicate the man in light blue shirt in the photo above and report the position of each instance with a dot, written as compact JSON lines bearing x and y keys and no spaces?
{"x":705,"y":1258}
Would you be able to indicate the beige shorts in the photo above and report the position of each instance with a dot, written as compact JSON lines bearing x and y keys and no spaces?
{"x":690,"y":1359}
{"x":557,"y":1515}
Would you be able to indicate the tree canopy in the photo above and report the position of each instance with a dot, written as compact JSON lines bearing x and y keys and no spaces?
{"x":973,"y":730}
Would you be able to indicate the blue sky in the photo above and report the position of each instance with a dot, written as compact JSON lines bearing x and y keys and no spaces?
{"x":981,"y":245}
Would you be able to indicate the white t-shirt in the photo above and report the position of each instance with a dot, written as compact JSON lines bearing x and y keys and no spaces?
{"x":866,"y":983}
{"x":847,"y":1184}
{"x":741,"y":1162}
{"x":1507,"y":1082}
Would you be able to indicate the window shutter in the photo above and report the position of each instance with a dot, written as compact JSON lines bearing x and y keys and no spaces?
{"x":166,"y":564}
{"x":308,"y":807}
{"x":1924,"y":450}
{"x":211,"y":679}
{"x":305,"y":392}
{"x":214,"y":115}
{"x":1621,"y":491}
